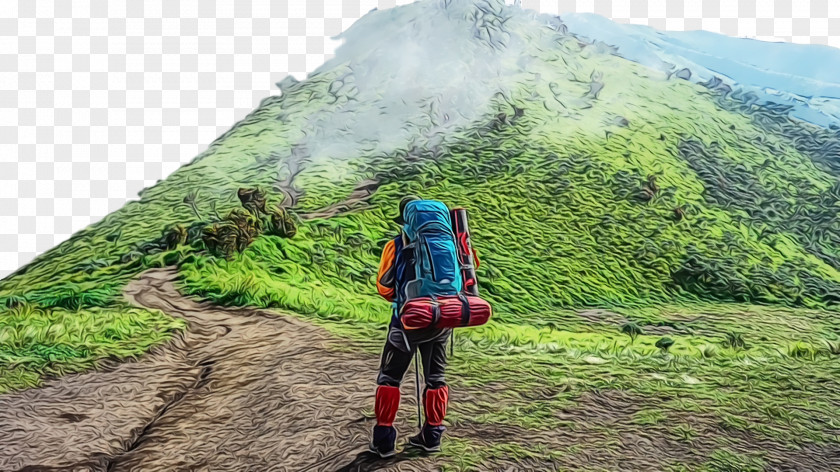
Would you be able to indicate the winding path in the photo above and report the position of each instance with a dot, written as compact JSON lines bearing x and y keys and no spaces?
{"x":240,"y":390}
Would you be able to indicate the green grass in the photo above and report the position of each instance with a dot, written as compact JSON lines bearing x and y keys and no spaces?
{"x":700,"y":221}
{"x":649,"y":417}
{"x":37,"y":343}
{"x":726,"y":460}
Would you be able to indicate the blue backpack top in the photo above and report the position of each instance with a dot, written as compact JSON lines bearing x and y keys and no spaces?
{"x":428,"y":233}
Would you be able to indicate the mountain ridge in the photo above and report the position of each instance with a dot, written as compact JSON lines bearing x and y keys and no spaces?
{"x":795,"y":74}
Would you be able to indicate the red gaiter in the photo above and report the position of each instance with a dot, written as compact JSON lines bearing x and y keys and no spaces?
{"x":387,"y":404}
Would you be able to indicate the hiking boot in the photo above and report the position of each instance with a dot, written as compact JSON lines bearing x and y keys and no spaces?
{"x":384,"y":438}
{"x":434,"y":402}
{"x":428,"y":439}
{"x":384,"y":441}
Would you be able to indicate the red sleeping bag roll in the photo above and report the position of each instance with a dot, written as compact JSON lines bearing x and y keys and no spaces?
{"x":453,"y":311}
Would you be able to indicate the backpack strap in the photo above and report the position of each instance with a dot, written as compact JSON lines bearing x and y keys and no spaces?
{"x":465,"y":310}
{"x":400,"y":265}
{"x":435,"y":311}
{"x":396,"y":309}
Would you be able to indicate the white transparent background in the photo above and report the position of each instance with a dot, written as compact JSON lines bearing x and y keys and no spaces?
{"x":99,"y":99}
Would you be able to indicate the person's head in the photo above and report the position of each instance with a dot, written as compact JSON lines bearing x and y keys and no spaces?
{"x":408,"y":198}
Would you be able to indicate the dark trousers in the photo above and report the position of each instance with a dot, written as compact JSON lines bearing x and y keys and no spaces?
{"x":395,"y":362}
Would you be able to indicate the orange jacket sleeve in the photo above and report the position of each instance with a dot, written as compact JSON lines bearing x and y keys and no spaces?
{"x":386,"y":278}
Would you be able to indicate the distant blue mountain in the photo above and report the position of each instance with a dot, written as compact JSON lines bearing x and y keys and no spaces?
{"x":804,"y":76}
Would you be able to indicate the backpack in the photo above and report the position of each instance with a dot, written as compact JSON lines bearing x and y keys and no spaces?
{"x":428,"y":236}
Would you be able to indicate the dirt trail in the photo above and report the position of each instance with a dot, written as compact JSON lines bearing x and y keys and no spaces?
{"x":241,"y":390}
{"x":357,"y":200}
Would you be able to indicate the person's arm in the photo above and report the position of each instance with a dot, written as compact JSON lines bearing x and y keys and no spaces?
{"x":475,"y":257}
{"x":386,"y":280}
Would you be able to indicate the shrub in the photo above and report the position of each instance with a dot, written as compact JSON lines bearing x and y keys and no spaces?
{"x":633,"y":330}
{"x":242,"y":226}
{"x":175,"y":236}
{"x":801,"y":350}
{"x":12,"y":301}
{"x":664,"y":344}
{"x":252,"y":199}
{"x":735,"y":341}
{"x":279,"y":222}
{"x":221,"y":239}
{"x":708,"y":351}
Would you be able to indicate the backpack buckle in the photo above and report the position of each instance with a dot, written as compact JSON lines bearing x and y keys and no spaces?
{"x":465,"y":310}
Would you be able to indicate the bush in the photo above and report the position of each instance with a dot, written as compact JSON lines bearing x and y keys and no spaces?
{"x":252,"y":199}
{"x":242,"y":226}
{"x":708,"y":351}
{"x":735,"y":341}
{"x":801,"y":350}
{"x":633,"y":330}
{"x":279,"y":222}
{"x":664,"y":344}
{"x":221,"y":239}
{"x":176,"y":236}
{"x":12,"y":301}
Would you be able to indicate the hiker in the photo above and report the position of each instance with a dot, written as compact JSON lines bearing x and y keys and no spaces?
{"x":400,"y":347}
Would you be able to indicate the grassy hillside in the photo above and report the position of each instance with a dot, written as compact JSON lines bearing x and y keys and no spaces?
{"x":612,"y":208}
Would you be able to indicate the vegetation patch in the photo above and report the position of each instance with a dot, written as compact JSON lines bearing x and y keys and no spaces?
{"x":38,"y":343}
